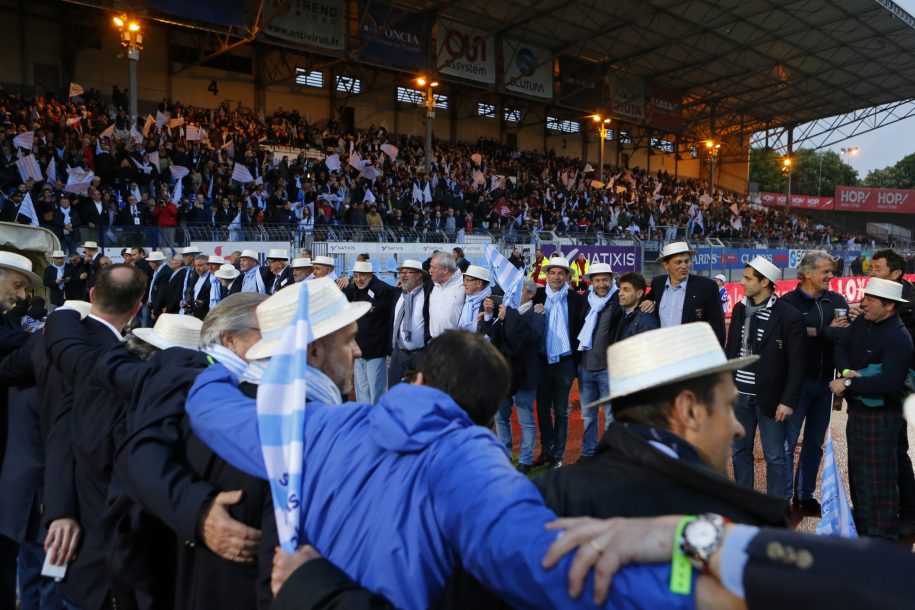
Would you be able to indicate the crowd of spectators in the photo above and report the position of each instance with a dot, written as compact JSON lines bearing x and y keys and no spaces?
{"x":472,"y":187}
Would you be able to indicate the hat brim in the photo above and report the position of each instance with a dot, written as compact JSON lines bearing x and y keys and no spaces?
{"x":730,"y":365}
{"x":587,"y":277}
{"x":661,"y":259}
{"x":548,"y":267}
{"x":883,"y":296}
{"x":148,"y":335}
{"x":36,"y":281}
{"x":266,"y":348}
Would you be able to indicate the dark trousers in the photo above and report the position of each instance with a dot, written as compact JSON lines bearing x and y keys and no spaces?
{"x":906,"y":476}
{"x":553,"y":407}
{"x":873,"y":438}
{"x":9,"y":552}
{"x":401,"y":362}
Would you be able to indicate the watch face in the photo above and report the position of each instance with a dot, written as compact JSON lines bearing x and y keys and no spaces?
{"x":701,"y":534}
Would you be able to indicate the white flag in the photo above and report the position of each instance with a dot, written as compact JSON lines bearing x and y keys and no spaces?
{"x":193,"y":133}
{"x":179,"y":171}
{"x":369,"y":196}
{"x":355,"y":160}
{"x":229,"y":147}
{"x":369,"y":172}
{"x":154,"y":159}
{"x":478,"y":178}
{"x":29,"y":168}
{"x":390,"y":150}
{"x":107,"y":132}
{"x":51,"y":171}
{"x":24,"y":140}
{"x":427,"y":194}
{"x":333,"y":162}
{"x":78,"y":180}
{"x":27,"y":209}
{"x":417,"y":196}
{"x":150,"y":121}
{"x":74,"y":121}
{"x":588,"y":168}
{"x":75,"y":90}
{"x":241,"y":174}
{"x":161,"y":118}
{"x":178,"y":192}
{"x":837,"y":519}
{"x":135,"y":136}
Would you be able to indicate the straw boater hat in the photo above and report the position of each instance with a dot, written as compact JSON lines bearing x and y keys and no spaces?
{"x":598,"y":269}
{"x":557,"y":261}
{"x":477,"y":272}
{"x":277,"y":254}
{"x":155,"y":257}
{"x":83,"y":307}
{"x":17,"y":262}
{"x":90,"y":245}
{"x":58,"y":254}
{"x":227,"y":272}
{"x":363,"y":267}
{"x":324,"y":260}
{"x":411,"y":264}
{"x":328,"y":311}
{"x":249,"y":254}
{"x":885,"y":289}
{"x":664,"y":356}
{"x":908,"y":409}
{"x":190,"y":250}
{"x":675,"y":248}
{"x":214,"y":259}
{"x":172,"y":330}
{"x":301,"y":263}
{"x":768,"y":270}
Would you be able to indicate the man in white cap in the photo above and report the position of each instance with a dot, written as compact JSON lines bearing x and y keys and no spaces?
{"x":90,"y":248}
{"x":720,"y":279}
{"x":302,"y":269}
{"x":873,"y":357}
{"x":374,"y":334}
{"x":680,"y":297}
{"x":324,"y":266}
{"x":476,"y":289}
{"x":447,"y":299}
{"x":281,"y":272}
{"x":565,"y":313}
{"x":158,"y":285}
{"x":180,"y":279}
{"x":56,"y":277}
{"x":764,"y":325}
{"x":254,"y":277}
{"x":411,"y":320}
{"x":229,"y":280}
{"x":593,"y":341}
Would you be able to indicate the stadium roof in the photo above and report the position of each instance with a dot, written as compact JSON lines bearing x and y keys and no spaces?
{"x":758,"y":63}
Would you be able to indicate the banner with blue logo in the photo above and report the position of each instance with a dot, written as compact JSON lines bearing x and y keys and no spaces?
{"x":711,"y":258}
{"x":620,"y":258}
{"x":392,"y":36}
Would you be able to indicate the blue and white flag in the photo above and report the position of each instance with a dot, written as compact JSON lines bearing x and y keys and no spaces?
{"x":837,"y":519}
{"x":507,"y":276}
{"x":281,"y":423}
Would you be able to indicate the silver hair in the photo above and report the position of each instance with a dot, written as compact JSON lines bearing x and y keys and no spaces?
{"x":201,"y":257}
{"x":445,"y":261}
{"x":810,"y":261}
{"x":529,"y":285}
{"x":178,"y":259}
{"x":234,"y":314}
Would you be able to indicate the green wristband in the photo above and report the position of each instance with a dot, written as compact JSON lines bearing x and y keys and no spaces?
{"x":681,"y":570}
{"x":846,"y":372}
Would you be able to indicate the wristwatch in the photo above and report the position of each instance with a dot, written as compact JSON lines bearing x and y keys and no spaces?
{"x":701,"y":538}
{"x":847,"y":382}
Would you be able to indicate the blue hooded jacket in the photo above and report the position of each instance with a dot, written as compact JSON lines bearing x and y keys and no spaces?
{"x":398,"y":494}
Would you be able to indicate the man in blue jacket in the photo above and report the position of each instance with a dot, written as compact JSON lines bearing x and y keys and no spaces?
{"x":403,"y":493}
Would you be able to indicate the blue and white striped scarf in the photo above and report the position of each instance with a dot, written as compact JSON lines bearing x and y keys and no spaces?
{"x":226,"y":357}
{"x":507,"y":276}
{"x":557,"y":338}
{"x":596,"y":305}
{"x":253,"y":281}
{"x":468,"y":319}
{"x":320,"y":387}
{"x":215,"y":291}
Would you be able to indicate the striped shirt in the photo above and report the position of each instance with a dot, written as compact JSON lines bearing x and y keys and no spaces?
{"x":754,"y":328}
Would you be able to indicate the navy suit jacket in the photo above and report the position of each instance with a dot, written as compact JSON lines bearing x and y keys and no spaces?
{"x":702,"y":302}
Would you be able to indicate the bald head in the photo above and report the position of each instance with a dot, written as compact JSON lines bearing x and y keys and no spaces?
{"x":118,"y":290}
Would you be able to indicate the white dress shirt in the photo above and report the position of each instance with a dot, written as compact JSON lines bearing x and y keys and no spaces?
{"x":419,"y":324}
{"x":445,"y":304}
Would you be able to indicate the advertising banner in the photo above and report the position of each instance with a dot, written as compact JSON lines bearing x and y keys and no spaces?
{"x":392,"y":36}
{"x":863,"y":199}
{"x":465,"y":51}
{"x":664,"y":108}
{"x":620,"y":258}
{"x":811,"y":202}
{"x":528,"y":70}
{"x":581,"y":84}
{"x":627,"y":95}
{"x":734,"y":258}
{"x":317,"y":23}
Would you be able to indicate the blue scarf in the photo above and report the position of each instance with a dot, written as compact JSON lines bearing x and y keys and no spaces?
{"x":596,"y":305}
{"x":320,"y":388}
{"x":557,"y":339}
{"x":468,"y":319}
{"x":253,"y":282}
{"x":684,"y":450}
{"x":226,"y":357}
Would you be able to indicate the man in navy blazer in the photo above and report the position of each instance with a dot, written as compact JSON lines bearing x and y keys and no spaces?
{"x":680,"y":297}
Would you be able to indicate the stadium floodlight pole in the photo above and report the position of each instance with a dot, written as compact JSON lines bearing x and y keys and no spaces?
{"x":849,"y":153}
{"x":429,"y":84}
{"x":712,"y":147}
{"x":786,"y":167}
{"x":602,"y":123}
{"x":131,"y":38}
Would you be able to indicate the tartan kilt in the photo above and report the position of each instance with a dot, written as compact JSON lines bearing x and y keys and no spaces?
{"x":872,"y":435}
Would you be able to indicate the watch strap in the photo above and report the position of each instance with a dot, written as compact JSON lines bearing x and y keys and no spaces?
{"x":681,"y":569}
